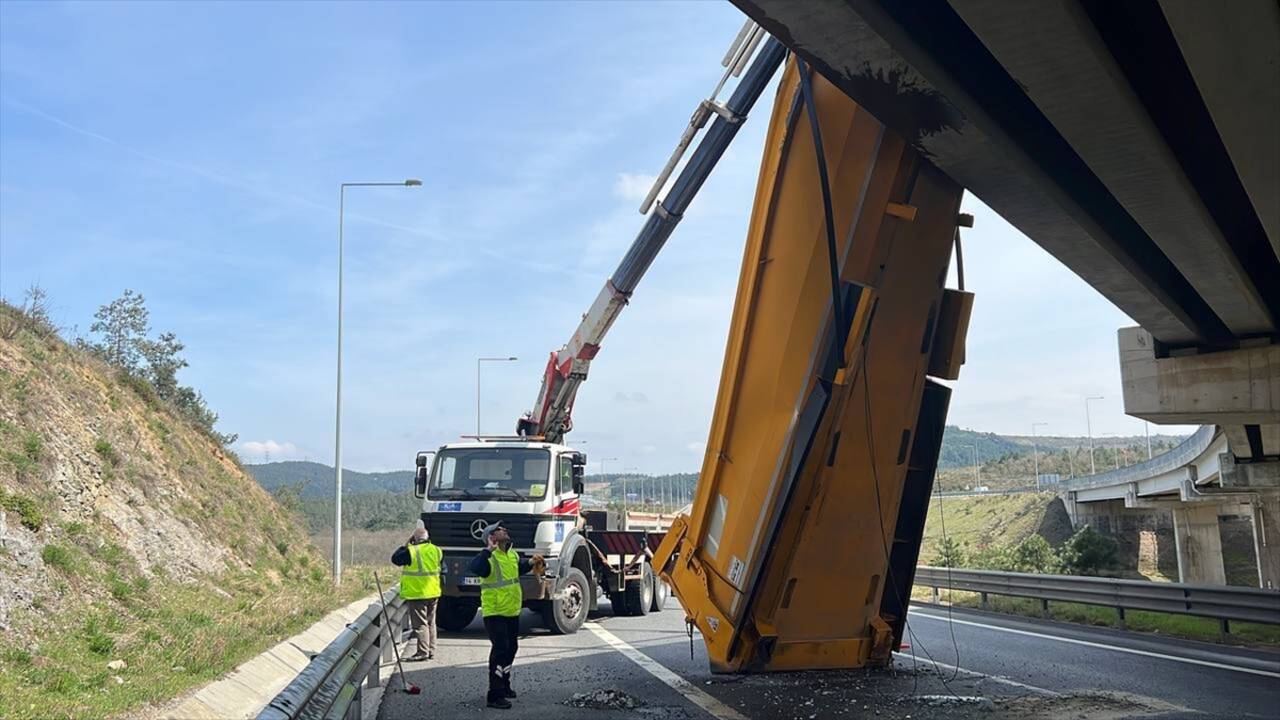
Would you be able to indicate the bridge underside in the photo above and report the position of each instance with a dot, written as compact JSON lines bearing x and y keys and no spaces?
{"x":1134,"y":141}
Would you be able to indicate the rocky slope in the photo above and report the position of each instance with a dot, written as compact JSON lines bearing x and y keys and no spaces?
{"x":137,"y":559}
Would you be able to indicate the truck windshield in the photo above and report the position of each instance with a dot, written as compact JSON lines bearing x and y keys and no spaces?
{"x":491,"y":473}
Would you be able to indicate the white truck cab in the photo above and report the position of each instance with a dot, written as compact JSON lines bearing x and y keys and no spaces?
{"x":534,"y":489}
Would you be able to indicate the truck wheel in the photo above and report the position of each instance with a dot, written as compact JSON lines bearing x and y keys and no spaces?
{"x":455,"y":615}
{"x":566,"y":613}
{"x":639,"y":593}
{"x":660,"y":592}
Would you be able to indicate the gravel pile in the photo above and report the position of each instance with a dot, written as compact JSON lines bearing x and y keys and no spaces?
{"x":608,"y":699}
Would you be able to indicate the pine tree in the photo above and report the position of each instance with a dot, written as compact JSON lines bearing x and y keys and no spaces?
{"x":123,"y":324}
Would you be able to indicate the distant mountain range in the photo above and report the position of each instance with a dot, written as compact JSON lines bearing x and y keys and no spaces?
{"x":316,"y":479}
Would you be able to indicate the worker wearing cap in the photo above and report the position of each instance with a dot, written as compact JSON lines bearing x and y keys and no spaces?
{"x":499,"y":568}
{"x":420,"y":588}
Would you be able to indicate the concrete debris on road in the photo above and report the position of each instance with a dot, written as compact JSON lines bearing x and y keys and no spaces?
{"x":608,"y":699}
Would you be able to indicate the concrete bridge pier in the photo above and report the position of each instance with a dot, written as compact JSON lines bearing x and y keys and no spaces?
{"x":1199,"y":544}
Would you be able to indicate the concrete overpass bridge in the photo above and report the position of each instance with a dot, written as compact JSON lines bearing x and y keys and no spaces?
{"x":1133,"y":141}
{"x":1194,"y":483}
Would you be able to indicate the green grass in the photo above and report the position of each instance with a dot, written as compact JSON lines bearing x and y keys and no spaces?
{"x":59,"y":557}
{"x":1183,"y":626}
{"x":106,"y":452}
{"x":174,"y":637}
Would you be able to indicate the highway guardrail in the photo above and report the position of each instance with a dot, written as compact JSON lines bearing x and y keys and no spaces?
{"x":332,"y":685}
{"x":1220,"y":602}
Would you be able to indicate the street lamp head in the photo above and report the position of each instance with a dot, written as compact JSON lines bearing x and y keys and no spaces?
{"x":412,"y":182}
{"x":513,"y":358}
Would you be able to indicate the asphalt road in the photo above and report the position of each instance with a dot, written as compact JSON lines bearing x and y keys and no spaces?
{"x":1008,"y":668}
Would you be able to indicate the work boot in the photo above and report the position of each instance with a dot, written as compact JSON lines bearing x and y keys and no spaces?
{"x":508,"y":693}
{"x":499,"y":703}
{"x":419,"y":657}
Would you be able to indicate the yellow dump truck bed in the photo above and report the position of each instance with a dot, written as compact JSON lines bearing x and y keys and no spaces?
{"x":799,"y":549}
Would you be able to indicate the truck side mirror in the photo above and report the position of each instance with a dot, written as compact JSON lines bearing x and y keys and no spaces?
{"x":421,"y":473}
{"x":579,"y":471}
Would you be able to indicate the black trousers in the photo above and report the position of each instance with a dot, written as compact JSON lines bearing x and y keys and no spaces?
{"x":504,"y":640}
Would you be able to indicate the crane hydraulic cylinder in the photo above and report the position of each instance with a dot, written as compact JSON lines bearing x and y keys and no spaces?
{"x":801,"y":545}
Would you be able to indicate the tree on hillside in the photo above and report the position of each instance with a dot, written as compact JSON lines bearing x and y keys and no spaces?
{"x":123,"y":324}
{"x":950,"y":553}
{"x":1035,"y":555}
{"x":163,"y":364}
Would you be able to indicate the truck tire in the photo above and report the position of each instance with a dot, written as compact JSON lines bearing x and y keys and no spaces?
{"x":566,"y":613}
{"x":638,"y":595}
{"x":455,"y":615}
{"x":660,"y":592}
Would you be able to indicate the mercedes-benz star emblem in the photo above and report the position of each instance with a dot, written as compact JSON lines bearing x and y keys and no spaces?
{"x":477,"y":528}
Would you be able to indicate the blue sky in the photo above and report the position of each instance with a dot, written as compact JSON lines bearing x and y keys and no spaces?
{"x":193,"y":153}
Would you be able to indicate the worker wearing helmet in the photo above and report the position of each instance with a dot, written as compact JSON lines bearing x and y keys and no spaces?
{"x":499,"y":568}
{"x":420,"y":588}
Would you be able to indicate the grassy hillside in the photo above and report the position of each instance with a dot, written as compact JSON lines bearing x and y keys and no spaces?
{"x":127,"y":533}
{"x":981,"y":523}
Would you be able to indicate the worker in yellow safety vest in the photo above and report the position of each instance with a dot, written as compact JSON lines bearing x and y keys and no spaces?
{"x":420,"y":588}
{"x":499,"y":568}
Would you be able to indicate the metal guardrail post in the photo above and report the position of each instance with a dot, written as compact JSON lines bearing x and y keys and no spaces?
{"x":1120,"y":622}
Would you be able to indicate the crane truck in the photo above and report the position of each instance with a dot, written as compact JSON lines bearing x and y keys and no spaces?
{"x":800,"y":546}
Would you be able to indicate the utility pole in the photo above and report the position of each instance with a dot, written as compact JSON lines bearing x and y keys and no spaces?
{"x":1093,"y":469}
{"x":1146,"y":428}
{"x":1035,"y":450}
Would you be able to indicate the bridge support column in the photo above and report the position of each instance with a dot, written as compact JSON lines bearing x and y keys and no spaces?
{"x":1266,"y":539}
{"x":1199,"y":544}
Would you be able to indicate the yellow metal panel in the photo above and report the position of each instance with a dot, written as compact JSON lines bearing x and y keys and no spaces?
{"x":781,"y":563}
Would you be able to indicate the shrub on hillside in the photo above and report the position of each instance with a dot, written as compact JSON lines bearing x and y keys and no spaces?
{"x":28,"y":511}
{"x":1089,"y":553}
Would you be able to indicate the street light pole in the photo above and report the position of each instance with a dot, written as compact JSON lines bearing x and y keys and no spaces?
{"x":1088,"y":424}
{"x":337,"y":422}
{"x":1035,"y":450}
{"x":1146,"y":429}
{"x":478,"y":361}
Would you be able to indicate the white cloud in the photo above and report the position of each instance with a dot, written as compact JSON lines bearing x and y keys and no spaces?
{"x":270,"y":449}
{"x":696,"y":447}
{"x":633,"y":186}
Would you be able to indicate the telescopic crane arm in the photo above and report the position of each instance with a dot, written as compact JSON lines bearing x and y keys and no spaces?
{"x":567,"y":367}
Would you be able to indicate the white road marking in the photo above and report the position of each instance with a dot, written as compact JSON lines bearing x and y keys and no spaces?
{"x":691,"y":692}
{"x":996,"y":678}
{"x":1104,"y":646}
